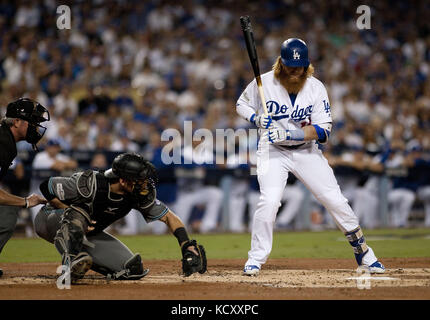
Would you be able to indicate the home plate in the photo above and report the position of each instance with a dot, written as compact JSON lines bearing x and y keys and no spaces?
{"x":371,"y":278}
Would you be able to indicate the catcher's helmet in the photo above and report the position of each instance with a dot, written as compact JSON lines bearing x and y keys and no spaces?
{"x":294,"y":53}
{"x":34,"y":113}
{"x":133,"y":167}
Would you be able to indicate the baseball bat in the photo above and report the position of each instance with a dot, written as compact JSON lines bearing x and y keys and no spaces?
{"x":245,"y":24}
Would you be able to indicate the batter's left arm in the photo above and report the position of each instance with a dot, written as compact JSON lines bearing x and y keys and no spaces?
{"x":319,"y":132}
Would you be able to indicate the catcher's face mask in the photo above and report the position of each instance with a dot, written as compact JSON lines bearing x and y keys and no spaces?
{"x":144,"y":192}
{"x":139,"y":176}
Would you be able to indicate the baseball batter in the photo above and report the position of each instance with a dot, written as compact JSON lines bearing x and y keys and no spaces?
{"x":299,"y":116}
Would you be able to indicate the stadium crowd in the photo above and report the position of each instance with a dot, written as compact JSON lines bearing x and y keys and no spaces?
{"x":128,"y":70}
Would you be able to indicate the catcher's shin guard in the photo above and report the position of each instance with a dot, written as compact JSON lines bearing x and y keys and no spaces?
{"x":68,"y":239}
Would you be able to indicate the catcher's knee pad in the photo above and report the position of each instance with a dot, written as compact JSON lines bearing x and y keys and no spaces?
{"x":70,"y":236}
{"x":358,"y":243}
{"x":47,"y":222}
{"x":132,"y":270}
{"x":40,"y":223}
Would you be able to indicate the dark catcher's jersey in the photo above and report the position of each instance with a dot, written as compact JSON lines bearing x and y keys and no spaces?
{"x":103,"y":206}
{"x":8,"y":150}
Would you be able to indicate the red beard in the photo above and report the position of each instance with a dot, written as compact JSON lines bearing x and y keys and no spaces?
{"x":292,"y":84}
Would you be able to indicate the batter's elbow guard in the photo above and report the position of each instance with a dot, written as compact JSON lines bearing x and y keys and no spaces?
{"x":322,"y":133}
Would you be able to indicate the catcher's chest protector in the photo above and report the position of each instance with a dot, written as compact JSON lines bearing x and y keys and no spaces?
{"x":106,"y":208}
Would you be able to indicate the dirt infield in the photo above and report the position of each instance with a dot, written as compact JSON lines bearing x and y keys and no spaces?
{"x":280,"y":279}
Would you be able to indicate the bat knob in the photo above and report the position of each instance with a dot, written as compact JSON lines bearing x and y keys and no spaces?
{"x":245,"y":22}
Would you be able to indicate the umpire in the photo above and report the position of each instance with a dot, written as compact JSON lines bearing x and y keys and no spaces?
{"x":22,"y":122}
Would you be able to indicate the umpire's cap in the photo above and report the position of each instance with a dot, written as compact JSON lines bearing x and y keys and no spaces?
{"x":131,"y":166}
{"x":294,"y":53}
{"x":27,"y":109}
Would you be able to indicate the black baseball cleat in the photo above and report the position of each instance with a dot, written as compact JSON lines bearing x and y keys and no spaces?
{"x":1,"y":272}
{"x":80,"y":265}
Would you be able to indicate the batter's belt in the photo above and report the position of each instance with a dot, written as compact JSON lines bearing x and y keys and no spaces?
{"x":294,"y":147}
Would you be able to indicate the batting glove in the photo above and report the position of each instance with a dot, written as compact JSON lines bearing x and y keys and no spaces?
{"x":278,"y":135}
{"x":262,"y":121}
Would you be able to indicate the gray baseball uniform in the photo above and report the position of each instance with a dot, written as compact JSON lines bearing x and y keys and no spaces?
{"x":108,"y":253}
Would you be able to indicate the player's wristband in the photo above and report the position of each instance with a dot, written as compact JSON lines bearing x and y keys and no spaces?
{"x":181,"y":235}
{"x":252,"y":119}
{"x":297,"y":135}
{"x":26,"y":205}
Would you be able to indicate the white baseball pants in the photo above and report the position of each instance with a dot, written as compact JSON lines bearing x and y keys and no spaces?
{"x":312,"y":169}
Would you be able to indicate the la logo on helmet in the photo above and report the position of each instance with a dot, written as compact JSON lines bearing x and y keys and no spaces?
{"x":296,"y":55}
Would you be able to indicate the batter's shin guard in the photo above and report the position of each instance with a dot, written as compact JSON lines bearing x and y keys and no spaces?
{"x":358,"y":243}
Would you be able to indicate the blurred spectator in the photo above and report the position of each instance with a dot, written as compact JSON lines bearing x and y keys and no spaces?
{"x":99,"y":162}
{"x":65,"y":106}
{"x":149,"y":66}
{"x":193,"y":189}
{"x":124,"y":144}
{"x":401,"y":197}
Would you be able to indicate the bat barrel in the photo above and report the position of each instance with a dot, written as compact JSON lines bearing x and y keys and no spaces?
{"x":248,"y":35}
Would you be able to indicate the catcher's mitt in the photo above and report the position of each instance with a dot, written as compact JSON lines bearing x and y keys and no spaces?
{"x":191,"y":262}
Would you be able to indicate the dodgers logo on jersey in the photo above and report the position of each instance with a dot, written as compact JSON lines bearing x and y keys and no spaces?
{"x":299,"y":114}
{"x":326,"y":107}
{"x":279,"y":112}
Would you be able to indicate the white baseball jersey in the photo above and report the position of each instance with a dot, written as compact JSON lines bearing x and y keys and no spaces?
{"x":311,"y":105}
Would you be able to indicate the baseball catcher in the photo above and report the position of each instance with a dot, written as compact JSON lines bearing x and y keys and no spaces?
{"x":83,"y":205}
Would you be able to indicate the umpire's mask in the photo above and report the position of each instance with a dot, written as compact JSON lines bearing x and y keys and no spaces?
{"x":34,"y":113}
